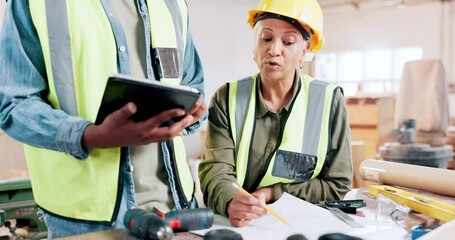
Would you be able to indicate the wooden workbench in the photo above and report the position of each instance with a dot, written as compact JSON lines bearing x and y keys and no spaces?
{"x":123,"y":234}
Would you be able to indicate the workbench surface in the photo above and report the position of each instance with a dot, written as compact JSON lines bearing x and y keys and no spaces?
{"x":123,"y":234}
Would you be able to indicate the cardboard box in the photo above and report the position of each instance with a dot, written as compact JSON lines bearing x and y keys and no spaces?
{"x":371,"y":121}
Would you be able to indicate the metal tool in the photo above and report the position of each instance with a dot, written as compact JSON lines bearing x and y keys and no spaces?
{"x":147,"y":225}
{"x":190,"y":219}
{"x":347,"y":206}
{"x":158,"y":225}
{"x":344,"y":217}
{"x":403,"y":149}
{"x":17,"y":203}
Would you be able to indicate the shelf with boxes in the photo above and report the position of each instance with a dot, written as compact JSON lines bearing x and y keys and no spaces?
{"x":371,"y":121}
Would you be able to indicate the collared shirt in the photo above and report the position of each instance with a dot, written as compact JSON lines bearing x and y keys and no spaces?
{"x":150,"y":177}
{"x":24,"y":113}
{"x":217,"y":170}
{"x":268,"y":123}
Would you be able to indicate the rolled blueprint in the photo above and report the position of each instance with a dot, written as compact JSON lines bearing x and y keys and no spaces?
{"x":436,"y":180}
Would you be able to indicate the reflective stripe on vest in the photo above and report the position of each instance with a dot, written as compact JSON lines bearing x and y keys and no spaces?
{"x":169,"y":41}
{"x":77,"y":71}
{"x":309,"y":137}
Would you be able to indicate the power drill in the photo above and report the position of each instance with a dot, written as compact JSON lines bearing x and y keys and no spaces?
{"x":188,"y":219}
{"x":147,"y":225}
{"x":158,"y":225}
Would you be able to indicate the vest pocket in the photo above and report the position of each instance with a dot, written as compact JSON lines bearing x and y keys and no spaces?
{"x":293,"y":165}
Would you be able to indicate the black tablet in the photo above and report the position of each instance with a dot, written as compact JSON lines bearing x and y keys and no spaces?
{"x":151,"y":97}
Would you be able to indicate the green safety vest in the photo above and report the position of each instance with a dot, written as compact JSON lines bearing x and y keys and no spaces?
{"x":304,"y":141}
{"x":77,"y":71}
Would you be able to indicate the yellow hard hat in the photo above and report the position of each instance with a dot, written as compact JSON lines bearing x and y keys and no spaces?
{"x":307,"y":12}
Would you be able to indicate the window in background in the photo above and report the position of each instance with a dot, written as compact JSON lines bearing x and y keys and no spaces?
{"x":350,"y":72}
{"x":378,"y":70}
{"x":370,"y":71}
{"x":326,"y":67}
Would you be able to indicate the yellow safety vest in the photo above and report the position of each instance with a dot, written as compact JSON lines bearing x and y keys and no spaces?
{"x":304,"y":141}
{"x":80,"y":53}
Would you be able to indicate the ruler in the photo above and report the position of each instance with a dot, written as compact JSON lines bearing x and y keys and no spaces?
{"x":430,"y":207}
{"x":344,"y":217}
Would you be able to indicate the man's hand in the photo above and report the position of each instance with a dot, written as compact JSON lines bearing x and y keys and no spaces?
{"x":198,"y":110}
{"x":118,"y":129}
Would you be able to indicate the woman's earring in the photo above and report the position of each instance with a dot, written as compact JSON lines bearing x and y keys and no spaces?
{"x":301,"y":64}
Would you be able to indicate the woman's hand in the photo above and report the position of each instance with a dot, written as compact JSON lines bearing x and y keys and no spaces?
{"x":243,"y":208}
{"x":266,"y":193}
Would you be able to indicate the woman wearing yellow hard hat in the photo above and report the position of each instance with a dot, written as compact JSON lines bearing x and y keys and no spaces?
{"x":302,"y":13}
{"x":278,"y":130}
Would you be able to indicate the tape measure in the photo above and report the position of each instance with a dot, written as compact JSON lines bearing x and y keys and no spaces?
{"x":433,"y":208}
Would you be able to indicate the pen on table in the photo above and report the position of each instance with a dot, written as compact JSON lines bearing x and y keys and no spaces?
{"x":265,"y":207}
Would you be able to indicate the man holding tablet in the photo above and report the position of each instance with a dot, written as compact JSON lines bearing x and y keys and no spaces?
{"x":121,"y":89}
{"x":55,"y":59}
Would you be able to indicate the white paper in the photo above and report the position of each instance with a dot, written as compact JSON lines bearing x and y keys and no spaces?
{"x":309,"y":220}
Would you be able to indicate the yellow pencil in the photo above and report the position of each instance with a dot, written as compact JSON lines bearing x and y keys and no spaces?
{"x":265,"y":207}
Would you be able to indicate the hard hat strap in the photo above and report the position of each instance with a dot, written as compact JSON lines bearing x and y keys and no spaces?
{"x":289,"y":20}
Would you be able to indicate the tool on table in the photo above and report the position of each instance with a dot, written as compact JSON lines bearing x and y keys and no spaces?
{"x":418,"y":231}
{"x":222,"y":234}
{"x":433,"y":208}
{"x":265,"y":207}
{"x":386,"y":209}
{"x":347,"y":206}
{"x":296,"y":236}
{"x":158,"y":225}
{"x":17,"y":205}
{"x":344,"y":217}
{"x":338,"y":236}
{"x":147,"y":225}
{"x":188,"y":219}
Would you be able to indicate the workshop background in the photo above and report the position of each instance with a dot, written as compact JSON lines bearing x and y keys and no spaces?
{"x":374,"y":49}
{"x":367,"y":45}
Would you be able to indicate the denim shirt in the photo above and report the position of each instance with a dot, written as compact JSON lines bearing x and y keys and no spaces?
{"x":24,"y":113}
